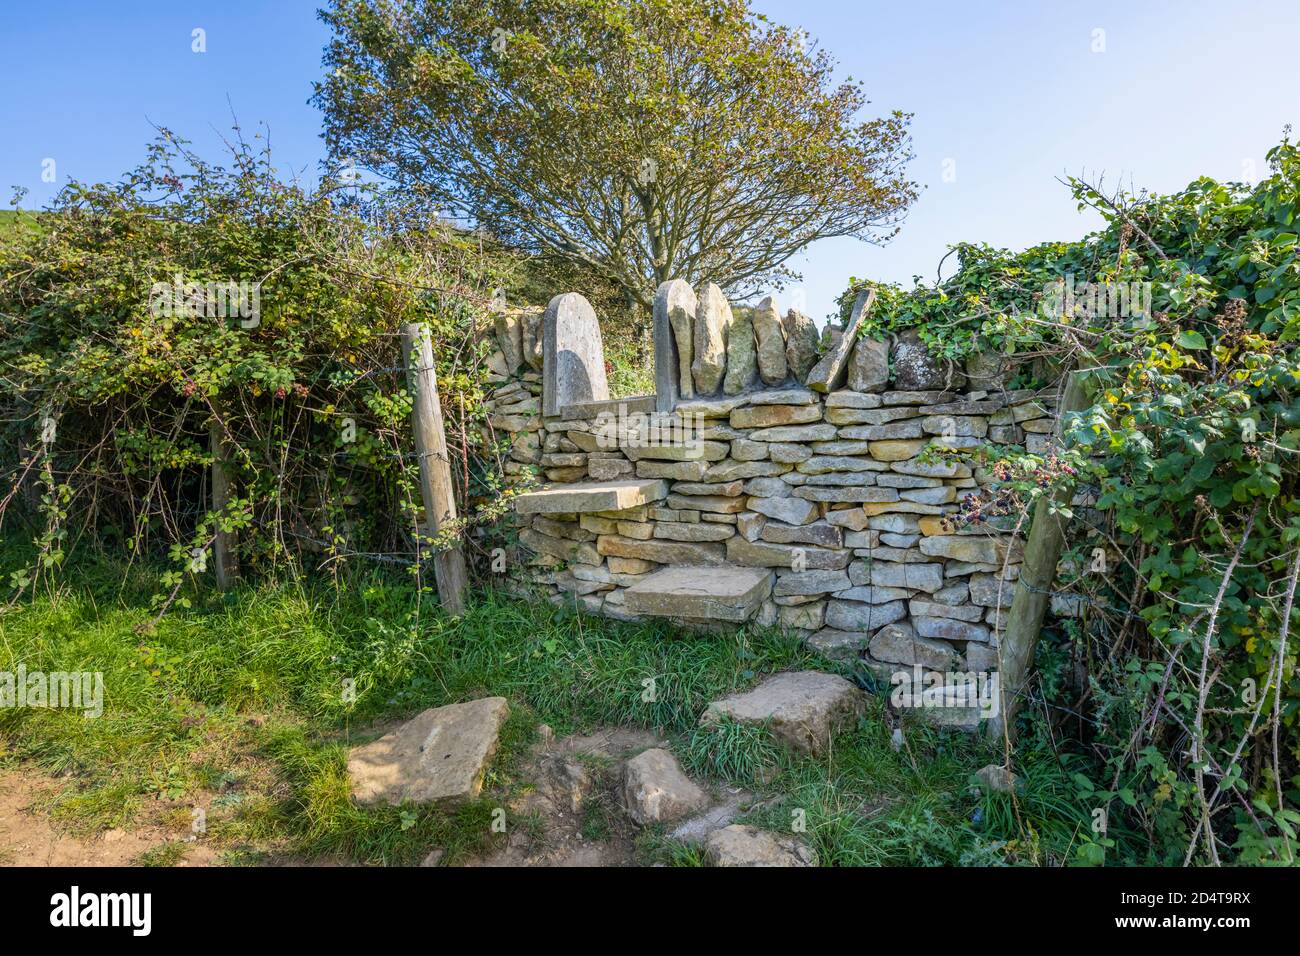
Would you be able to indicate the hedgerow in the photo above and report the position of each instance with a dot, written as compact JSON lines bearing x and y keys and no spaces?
{"x":119,"y":363}
{"x":1179,"y":678}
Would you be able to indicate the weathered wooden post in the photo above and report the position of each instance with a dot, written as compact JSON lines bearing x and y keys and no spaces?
{"x":225,"y":559}
{"x":435,"y":467}
{"x":1032,"y":592}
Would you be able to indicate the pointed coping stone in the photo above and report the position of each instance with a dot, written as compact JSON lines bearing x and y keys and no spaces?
{"x":706,"y":593}
{"x":828,"y":374}
{"x":438,"y":756}
{"x":573,"y":359}
{"x":674,"y":314}
{"x":531,"y":326}
{"x":589,"y":496}
{"x":869,"y":366}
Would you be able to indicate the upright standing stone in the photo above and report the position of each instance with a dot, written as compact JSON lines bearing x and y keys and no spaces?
{"x":800,"y":344}
{"x":712,"y":321}
{"x":828,"y":374}
{"x":573,"y":360}
{"x":915,"y":369}
{"x":831,"y":335}
{"x":742,"y":356}
{"x":675,"y":305}
{"x":531,"y":327}
{"x":869,"y":366}
{"x":510,"y":336}
{"x":772,"y":368}
{"x":987,"y":369}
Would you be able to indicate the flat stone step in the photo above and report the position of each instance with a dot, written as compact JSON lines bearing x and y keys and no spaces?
{"x":805,"y":709}
{"x":439,"y":756}
{"x":587,"y":496}
{"x":717,"y":593}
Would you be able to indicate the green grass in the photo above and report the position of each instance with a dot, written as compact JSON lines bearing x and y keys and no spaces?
{"x":165,"y":854}
{"x":732,"y":751}
{"x":240,"y":700}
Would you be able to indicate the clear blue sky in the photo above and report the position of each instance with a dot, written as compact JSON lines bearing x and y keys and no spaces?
{"x":1007,"y":96}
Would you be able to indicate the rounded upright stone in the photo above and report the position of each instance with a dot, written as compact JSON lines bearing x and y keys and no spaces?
{"x":531,"y":328}
{"x":770,"y":338}
{"x":712,"y":321}
{"x":509,"y":329}
{"x":800,"y":344}
{"x":742,"y":356}
{"x":674,"y":315}
{"x":573,"y":355}
{"x":916,"y":369}
{"x":869,"y":366}
{"x":987,"y":370}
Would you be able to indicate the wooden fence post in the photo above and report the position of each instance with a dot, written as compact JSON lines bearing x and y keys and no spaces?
{"x":1032,"y":590}
{"x":225,"y":559}
{"x":435,"y":467}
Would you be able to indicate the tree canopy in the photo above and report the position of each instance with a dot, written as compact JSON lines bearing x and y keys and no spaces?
{"x":645,"y":139}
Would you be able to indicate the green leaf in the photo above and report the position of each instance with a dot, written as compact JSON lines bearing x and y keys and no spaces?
{"x":1191,"y":340}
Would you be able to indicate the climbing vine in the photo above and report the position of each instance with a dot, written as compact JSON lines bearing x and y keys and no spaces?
{"x":1178,"y":677}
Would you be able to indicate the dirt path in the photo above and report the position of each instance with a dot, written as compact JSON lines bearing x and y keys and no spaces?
{"x":569,"y":796}
{"x":575,"y":803}
{"x":29,"y":838}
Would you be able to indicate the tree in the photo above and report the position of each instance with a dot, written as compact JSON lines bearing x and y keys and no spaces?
{"x":645,"y":139}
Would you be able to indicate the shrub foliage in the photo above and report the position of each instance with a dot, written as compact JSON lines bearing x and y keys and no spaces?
{"x":1179,"y":680}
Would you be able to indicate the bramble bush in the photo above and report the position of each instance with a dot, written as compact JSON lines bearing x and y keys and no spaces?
{"x":117,"y":359}
{"x":1179,"y":679}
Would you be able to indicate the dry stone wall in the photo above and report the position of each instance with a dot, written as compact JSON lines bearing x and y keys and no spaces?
{"x":802,"y":485}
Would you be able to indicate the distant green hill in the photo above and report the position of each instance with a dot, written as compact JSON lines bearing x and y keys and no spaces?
{"x":10,"y":220}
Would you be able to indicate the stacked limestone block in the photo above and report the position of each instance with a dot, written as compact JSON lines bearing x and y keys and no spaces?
{"x":831,"y":495}
{"x":514,"y":406}
{"x":836,"y":492}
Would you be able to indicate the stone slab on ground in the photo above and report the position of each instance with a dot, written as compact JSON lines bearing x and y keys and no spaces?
{"x":588,"y":496}
{"x":696,"y":829}
{"x":996,"y":779}
{"x":804,"y":709}
{"x":722,"y":593}
{"x":656,"y":791}
{"x":438,"y":756}
{"x":742,"y":845}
